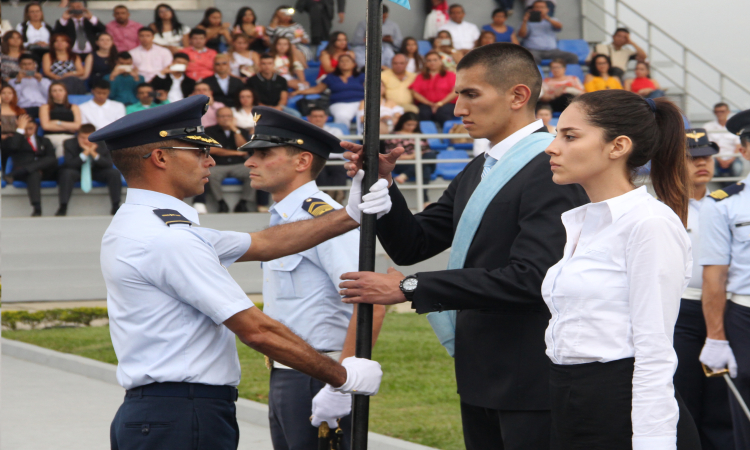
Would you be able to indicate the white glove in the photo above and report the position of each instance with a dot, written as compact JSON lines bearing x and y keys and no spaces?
{"x":378,"y":201}
{"x":330,"y":405}
{"x":718,"y":355}
{"x":362,"y":376}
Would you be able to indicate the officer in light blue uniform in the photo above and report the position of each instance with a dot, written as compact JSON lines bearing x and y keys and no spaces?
{"x":725,"y":257}
{"x":301,"y":290}
{"x":174,"y":309}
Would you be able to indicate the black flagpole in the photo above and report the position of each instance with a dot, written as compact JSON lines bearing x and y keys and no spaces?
{"x":373,"y":42}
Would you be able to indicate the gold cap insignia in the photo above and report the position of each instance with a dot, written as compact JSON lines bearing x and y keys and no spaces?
{"x":300,"y":141}
{"x":203,"y":138}
{"x":695,"y":135}
{"x":205,"y":109}
{"x":163,"y":133}
{"x":256,"y":117}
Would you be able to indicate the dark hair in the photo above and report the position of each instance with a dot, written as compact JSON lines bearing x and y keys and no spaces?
{"x":405,"y":118}
{"x":203,"y":82}
{"x":142,"y":29}
{"x":455,"y":5}
{"x":625,"y":30}
{"x":478,"y":43}
{"x":657,"y":136}
{"x":124,"y":55}
{"x":69,"y":51}
{"x":317,"y":108}
{"x":506,"y":65}
{"x":541,"y":106}
{"x":120,"y":6}
{"x":418,"y":59}
{"x":25,"y":56}
{"x":318,"y":162}
{"x":196,"y":31}
{"x":559,"y":61}
{"x":26,"y":11}
{"x":17,"y":110}
{"x":648,"y":67}
{"x":721,"y":104}
{"x":330,"y":47}
{"x":276,"y":12}
{"x":266,"y":56}
{"x":128,"y":160}
{"x":112,"y":57}
{"x":86,"y":128}
{"x":426,"y":72}
{"x":207,"y":14}
{"x":6,"y":44}
{"x":445,"y":32}
{"x":180,"y":55}
{"x":51,"y":102}
{"x":289,"y":53}
{"x":176,"y":25}
{"x":101,"y":84}
{"x":241,"y":14}
{"x":595,"y":72}
{"x":142,"y":85}
{"x":385,"y":9}
{"x":498,"y":11}
{"x":337,"y":70}
{"x":237,"y":98}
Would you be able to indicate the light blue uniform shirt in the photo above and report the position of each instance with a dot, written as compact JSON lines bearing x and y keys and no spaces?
{"x":725,"y":238}
{"x":168,"y":293}
{"x":301,"y":290}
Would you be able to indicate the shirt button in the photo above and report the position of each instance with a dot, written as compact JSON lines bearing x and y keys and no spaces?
{"x":281,"y":264}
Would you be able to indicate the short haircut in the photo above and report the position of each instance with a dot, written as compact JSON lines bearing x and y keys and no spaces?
{"x":203,"y":83}
{"x":318,"y":162}
{"x":624,"y":30}
{"x":222,"y":56}
{"x":86,"y":128}
{"x":196,"y":31}
{"x":180,"y":55}
{"x":542,"y":106}
{"x":142,"y":85}
{"x":142,"y":29}
{"x":385,"y":9}
{"x":721,"y":104}
{"x":101,"y":84}
{"x":455,"y":5}
{"x":500,"y":10}
{"x":317,"y":108}
{"x":539,"y":1}
{"x":25,"y":56}
{"x":506,"y":65}
{"x":128,"y":160}
{"x":560,"y":61}
{"x":124,"y":55}
{"x":266,"y":56}
{"x":120,"y":7}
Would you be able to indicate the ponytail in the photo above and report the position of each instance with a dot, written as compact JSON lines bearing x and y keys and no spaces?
{"x":657,"y":131}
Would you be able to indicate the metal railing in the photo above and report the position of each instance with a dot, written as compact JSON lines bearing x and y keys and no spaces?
{"x":689,"y":75}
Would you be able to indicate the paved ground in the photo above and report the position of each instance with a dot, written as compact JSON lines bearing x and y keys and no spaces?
{"x":48,"y":409}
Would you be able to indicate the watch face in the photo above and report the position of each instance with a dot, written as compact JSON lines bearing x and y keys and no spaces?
{"x":410,"y":284}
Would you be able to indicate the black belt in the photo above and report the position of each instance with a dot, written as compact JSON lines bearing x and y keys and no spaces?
{"x":185,"y":390}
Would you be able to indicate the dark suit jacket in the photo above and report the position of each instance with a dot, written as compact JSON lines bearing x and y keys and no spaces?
{"x":500,"y":351}
{"x":186,"y":86}
{"x":228,"y":99}
{"x":17,"y":147}
{"x":73,"y":158}
{"x":91,"y":30}
{"x":304,"y":6}
{"x":226,"y":142}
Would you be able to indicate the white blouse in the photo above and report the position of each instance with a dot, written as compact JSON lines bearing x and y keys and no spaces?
{"x":34,"y":35}
{"x":243,"y":119}
{"x":694,"y":289}
{"x":237,"y":62}
{"x":170,"y":38}
{"x":616,"y":294}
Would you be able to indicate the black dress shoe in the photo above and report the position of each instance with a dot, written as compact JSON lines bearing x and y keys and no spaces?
{"x":62,"y":210}
{"x":115,"y":207}
{"x":241,"y":207}
{"x":37,"y":212}
{"x":223,"y":207}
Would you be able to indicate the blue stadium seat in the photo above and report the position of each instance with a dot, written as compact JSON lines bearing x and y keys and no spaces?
{"x":93,"y":184}
{"x":541,"y":70}
{"x":21,"y":184}
{"x":428,"y":127}
{"x":458,"y":146}
{"x":313,"y":64}
{"x":423,"y":47}
{"x":545,"y":62}
{"x":344,"y":129}
{"x":574,"y":69}
{"x":449,"y":170}
{"x":2,"y":177}
{"x":311,"y":74}
{"x":553,"y":121}
{"x":229,"y":181}
{"x":323,"y":44}
{"x":78,"y":99}
{"x":9,"y":165}
{"x":579,"y":47}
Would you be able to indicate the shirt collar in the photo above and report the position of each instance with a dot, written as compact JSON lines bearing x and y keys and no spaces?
{"x":503,"y":146}
{"x":159,"y":200}
{"x":289,"y":205}
{"x":617,"y":206}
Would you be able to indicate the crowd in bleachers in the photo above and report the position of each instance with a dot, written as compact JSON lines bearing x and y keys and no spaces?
{"x":82,"y":71}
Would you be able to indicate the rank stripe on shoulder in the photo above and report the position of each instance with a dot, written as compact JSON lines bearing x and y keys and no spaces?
{"x":316,"y":207}
{"x":170,"y":216}
{"x":728,"y":191}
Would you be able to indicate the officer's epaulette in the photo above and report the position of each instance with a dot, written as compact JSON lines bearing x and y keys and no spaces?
{"x":316,"y":207}
{"x":171,"y":217}
{"x":728,"y":191}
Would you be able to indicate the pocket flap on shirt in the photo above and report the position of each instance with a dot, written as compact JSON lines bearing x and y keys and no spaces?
{"x":285,"y":264}
{"x":741,"y":230}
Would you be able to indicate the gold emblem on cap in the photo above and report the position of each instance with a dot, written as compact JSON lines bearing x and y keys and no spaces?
{"x":163,"y":133}
{"x":695,"y":135}
{"x":205,"y":108}
{"x":256,"y":117}
{"x":300,"y":141}
{"x":203,"y":138}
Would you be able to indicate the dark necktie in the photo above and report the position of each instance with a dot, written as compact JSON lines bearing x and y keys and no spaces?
{"x":80,"y":34}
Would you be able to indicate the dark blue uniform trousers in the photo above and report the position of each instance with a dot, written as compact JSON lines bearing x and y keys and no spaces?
{"x":737,"y":327}
{"x":289,"y":410}
{"x":707,"y":399}
{"x":174,"y":423}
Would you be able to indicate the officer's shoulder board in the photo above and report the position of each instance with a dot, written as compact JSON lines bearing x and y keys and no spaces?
{"x":316,"y":207}
{"x":727,"y":192}
{"x":171,"y":217}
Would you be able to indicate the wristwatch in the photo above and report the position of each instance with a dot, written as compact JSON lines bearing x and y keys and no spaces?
{"x":408,"y":285}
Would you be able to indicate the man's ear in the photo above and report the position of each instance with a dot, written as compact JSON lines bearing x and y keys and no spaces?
{"x":520,"y":96}
{"x":304,"y":161}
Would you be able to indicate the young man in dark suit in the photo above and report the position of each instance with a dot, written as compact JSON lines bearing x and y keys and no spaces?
{"x":81,"y":26}
{"x":502,"y":370}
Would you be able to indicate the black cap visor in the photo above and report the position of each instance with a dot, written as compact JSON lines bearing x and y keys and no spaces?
{"x":708,"y":150}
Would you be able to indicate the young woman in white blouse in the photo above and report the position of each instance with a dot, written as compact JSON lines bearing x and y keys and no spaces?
{"x":615,"y":295}
{"x":243,"y":112}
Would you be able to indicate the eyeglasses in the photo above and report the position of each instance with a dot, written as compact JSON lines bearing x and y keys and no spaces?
{"x":204,"y":150}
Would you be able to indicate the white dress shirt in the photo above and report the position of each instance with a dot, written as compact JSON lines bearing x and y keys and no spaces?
{"x":101,"y":116}
{"x":503,"y":146}
{"x":464,"y":34}
{"x":726,"y":141}
{"x":223,"y":83}
{"x":694,"y":289}
{"x":175,"y":91}
{"x":33,"y":35}
{"x":150,"y":62}
{"x":243,"y":119}
{"x":616,"y":294}
{"x":168,"y":294}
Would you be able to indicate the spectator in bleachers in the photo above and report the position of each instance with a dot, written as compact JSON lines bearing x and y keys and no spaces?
{"x":144,"y":92}
{"x":30,"y":85}
{"x":283,"y":25}
{"x":321,"y":16}
{"x":169,"y":32}
{"x":539,"y":36}
{"x":201,"y":63}
{"x":63,"y":65}
{"x":123,"y":30}
{"x":551,"y":4}
{"x":245,"y":23}
{"x":243,"y":61}
{"x":33,"y":160}
{"x":463,"y":33}
{"x":271,"y":89}
{"x":124,"y":79}
{"x":643,"y":84}
{"x":409,"y":124}
{"x":12,"y":48}
{"x":437,"y":16}
{"x":620,"y":51}
{"x":5,"y":26}
{"x":410,"y":48}
{"x":172,"y":84}
{"x":218,"y":33}
{"x":243,"y":109}
{"x":347,"y":85}
{"x":11,"y":112}
{"x":338,"y":44}
{"x":390,"y":112}
{"x":34,"y":31}
{"x":485,"y":38}
{"x":443,"y":45}
{"x":230,"y":162}
{"x":601,"y":76}
{"x":100,"y":111}
{"x":330,"y":175}
{"x":149,"y":59}
{"x":102,"y":60}
{"x":80,"y":26}
{"x":544,"y":113}
{"x":59,"y":118}
{"x":498,"y":27}
{"x":397,"y":81}
{"x":80,"y":155}
{"x":559,"y":89}
{"x":433,"y":90}
{"x":358,"y":43}
{"x":729,"y":144}
{"x":223,"y":84}
{"x":391,"y":32}
{"x":286,"y":65}
{"x":209,"y":118}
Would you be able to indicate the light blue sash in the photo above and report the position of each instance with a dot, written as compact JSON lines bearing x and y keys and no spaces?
{"x":515,"y":159}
